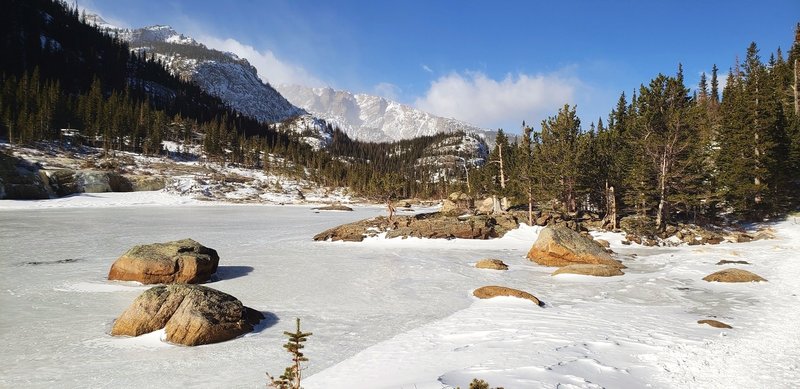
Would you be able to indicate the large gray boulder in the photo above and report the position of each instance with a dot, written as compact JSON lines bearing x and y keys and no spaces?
{"x":182,"y":261}
{"x":190,"y":314}
{"x":93,"y":181}
{"x":560,"y":246}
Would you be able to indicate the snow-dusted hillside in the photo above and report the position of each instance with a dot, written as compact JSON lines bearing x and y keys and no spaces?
{"x":370,"y":118}
{"x":224,"y":75}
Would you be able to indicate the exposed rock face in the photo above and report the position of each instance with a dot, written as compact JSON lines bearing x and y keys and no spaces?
{"x":590,"y":270}
{"x":733,"y":275}
{"x":182,"y":261}
{"x":560,"y":246}
{"x":427,"y":225}
{"x":488,"y":292}
{"x":714,"y":323}
{"x":190,"y":314}
{"x":21,"y":180}
{"x":494,"y":264}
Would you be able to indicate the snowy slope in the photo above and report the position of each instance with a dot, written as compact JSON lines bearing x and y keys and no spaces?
{"x":371,"y":118}
{"x":224,"y":75}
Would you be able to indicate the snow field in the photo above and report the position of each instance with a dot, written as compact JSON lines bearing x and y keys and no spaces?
{"x":385,"y":313}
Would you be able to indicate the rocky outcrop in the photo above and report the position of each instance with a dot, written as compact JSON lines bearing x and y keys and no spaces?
{"x":560,"y":246}
{"x":733,"y":275}
{"x":493,"y":264}
{"x":590,"y":270}
{"x":182,"y":261}
{"x":426,"y":225}
{"x":488,"y":292}
{"x":190,"y":314}
{"x":714,"y":323}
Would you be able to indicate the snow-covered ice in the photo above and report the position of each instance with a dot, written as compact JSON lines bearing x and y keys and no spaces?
{"x":385,"y":313}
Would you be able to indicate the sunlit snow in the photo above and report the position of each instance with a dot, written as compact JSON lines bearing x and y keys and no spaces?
{"x":385,"y":313}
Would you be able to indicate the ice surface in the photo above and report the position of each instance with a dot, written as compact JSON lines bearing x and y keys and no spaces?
{"x":385,"y":313}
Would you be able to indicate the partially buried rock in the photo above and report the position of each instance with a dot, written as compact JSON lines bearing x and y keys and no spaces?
{"x":494,"y":264}
{"x":334,"y":207}
{"x":729,"y":262}
{"x":560,"y":246}
{"x":714,"y":323}
{"x":488,"y":292}
{"x":733,"y":275}
{"x":590,"y":270}
{"x":190,"y":314}
{"x":184,"y":261}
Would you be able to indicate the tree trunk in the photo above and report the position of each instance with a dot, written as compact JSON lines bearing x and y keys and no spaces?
{"x":611,"y":207}
{"x":662,"y":185}
{"x":796,"y":86}
{"x":504,"y":201}
{"x":530,"y":205}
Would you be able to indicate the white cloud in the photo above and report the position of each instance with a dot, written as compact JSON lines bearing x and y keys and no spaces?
{"x":270,"y":68}
{"x":387,"y":90}
{"x":427,"y":68}
{"x":478,"y":99}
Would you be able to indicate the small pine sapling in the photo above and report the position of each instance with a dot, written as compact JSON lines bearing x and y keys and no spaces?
{"x":290,"y":379}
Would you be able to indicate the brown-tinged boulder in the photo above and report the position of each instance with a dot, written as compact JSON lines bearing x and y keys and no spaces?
{"x":181,"y":261}
{"x":334,"y":207}
{"x":143,"y":183}
{"x":190,"y":314}
{"x":560,"y":246}
{"x":733,"y":275}
{"x":488,"y":292}
{"x":494,"y":264}
{"x":714,"y":323}
{"x":590,"y":270}
{"x":485,"y":206}
{"x":603,"y":243}
{"x":458,"y":203}
{"x":729,"y":262}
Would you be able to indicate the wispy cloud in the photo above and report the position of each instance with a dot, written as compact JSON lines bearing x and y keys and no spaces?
{"x":270,"y":68}
{"x":478,"y":99}
{"x":426,"y":68}
{"x":387,"y":90}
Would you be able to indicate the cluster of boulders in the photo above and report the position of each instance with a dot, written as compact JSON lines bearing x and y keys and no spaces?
{"x":576,"y":253}
{"x":23,"y":180}
{"x":189,"y":314}
{"x":642,"y":230}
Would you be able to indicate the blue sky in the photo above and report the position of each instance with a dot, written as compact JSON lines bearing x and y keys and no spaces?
{"x":492,"y":63}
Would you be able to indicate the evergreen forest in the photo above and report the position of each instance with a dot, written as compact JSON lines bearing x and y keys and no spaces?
{"x":725,"y":149}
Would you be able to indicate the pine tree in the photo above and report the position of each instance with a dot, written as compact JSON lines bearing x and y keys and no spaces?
{"x":290,"y":379}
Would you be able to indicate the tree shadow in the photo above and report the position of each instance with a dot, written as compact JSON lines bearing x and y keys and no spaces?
{"x":269,"y":320}
{"x":230,"y":272}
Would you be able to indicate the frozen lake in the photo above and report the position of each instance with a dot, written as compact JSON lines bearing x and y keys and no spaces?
{"x":58,"y":307}
{"x":394,"y":313}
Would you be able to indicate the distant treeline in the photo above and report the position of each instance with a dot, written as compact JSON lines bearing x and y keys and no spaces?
{"x":668,"y":152}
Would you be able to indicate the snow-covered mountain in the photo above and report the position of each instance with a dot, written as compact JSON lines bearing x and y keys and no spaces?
{"x":370,"y":118}
{"x":224,"y":75}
